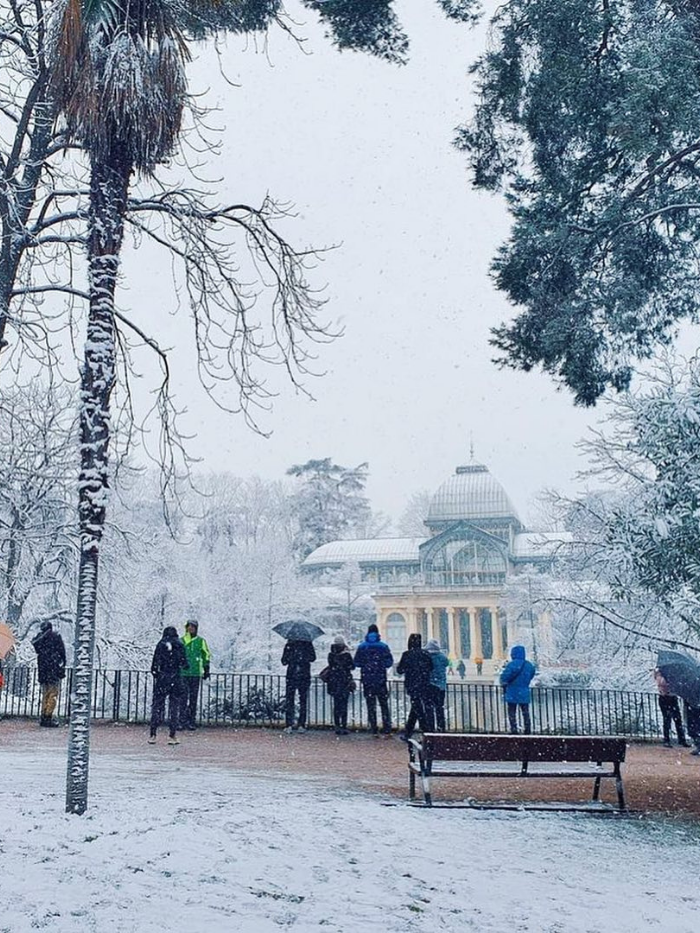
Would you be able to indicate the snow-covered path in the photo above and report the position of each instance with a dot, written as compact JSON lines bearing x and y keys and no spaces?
{"x":187,"y":848}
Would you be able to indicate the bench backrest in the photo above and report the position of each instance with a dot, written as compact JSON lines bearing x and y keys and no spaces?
{"x":450,"y":747}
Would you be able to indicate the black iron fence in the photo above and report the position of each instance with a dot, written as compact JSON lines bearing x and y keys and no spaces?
{"x":245,"y":699}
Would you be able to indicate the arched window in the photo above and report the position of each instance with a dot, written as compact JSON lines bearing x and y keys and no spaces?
{"x":396,"y":632}
{"x":466,"y":563}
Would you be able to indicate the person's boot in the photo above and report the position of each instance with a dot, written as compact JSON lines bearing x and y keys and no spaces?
{"x":42,"y":720}
{"x":667,"y":743}
{"x":682,"y":741}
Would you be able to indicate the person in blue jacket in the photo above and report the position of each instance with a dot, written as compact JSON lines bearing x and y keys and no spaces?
{"x":373,"y":657}
{"x":516,"y":677}
{"x":438,"y":683}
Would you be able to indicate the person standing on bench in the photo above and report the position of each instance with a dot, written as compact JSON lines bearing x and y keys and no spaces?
{"x":374,"y":658}
{"x":417,"y":667}
{"x":516,"y":677}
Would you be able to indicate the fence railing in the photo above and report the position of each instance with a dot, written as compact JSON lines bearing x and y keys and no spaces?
{"x":242,"y":699}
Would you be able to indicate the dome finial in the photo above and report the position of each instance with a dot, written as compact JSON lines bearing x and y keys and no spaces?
{"x":471,"y":447}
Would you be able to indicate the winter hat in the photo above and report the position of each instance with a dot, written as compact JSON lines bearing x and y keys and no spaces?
{"x":170,"y":633}
{"x":372,"y":628}
{"x":432,"y":645}
{"x":339,"y":640}
{"x":193,"y":622}
{"x":414,"y":641}
{"x":45,"y":626}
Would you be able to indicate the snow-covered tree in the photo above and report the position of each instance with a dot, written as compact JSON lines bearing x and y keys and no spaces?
{"x":38,"y":443}
{"x":587,"y":122}
{"x":329,"y":503}
{"x":411,"y":524}
{"x":348,"y":607}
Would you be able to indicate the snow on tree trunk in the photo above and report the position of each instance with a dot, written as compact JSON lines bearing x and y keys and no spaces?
{"x":108,"y":193}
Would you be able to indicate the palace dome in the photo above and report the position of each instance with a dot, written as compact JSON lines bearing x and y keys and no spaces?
{"x":471,"y":494}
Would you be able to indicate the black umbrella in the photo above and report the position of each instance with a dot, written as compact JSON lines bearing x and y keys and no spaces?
{"x":682,"y":674}
{"x":298,"y":630}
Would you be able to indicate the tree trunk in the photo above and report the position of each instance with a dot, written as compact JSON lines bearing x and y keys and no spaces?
{"x":109,"y":186}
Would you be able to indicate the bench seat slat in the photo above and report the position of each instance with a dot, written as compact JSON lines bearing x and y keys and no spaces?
{"x":514,"y":773}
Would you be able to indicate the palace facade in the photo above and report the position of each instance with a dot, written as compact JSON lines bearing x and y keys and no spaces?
{"x":449,"y":585}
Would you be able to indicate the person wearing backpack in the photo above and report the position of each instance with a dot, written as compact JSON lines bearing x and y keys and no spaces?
{"x":515,"y":678}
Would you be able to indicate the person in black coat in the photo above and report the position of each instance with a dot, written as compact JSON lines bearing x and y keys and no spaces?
{"x":339,"y":682}
{"x":417,"y":667}
{"x":51,"y":664}
{"x":169,"y":661}
{"x":297,"y":657}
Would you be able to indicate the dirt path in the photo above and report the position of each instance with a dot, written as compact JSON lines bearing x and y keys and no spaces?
{"x":656,"y":779}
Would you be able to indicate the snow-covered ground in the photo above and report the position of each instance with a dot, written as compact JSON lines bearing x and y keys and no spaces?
{"x":187,"y":848}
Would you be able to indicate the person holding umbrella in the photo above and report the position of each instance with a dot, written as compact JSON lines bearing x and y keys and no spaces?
{"x":670,"y":711}
{"x":297,"y":657}
{"x":682,"y":676}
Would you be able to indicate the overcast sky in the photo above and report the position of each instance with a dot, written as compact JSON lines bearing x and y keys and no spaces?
{"x":363,"y":150}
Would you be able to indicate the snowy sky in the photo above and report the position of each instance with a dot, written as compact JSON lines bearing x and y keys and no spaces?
{"x":363,"y":149}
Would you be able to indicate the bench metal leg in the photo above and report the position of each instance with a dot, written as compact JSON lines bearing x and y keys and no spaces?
{"x":620,"y":790}
{"x":425,"y":781}
{"x":411,"y":785}
{"x":596,"y":788}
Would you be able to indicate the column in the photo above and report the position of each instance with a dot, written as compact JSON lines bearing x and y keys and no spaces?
{"x":453,"y":639}
{"x":496,"y":634}
{"x":430,"y":615}
{"x":412,"y":619}
{"x":474,"y":633}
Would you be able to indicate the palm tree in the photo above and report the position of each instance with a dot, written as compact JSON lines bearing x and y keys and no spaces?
{"x":118,"y":78}
{"x":118,"y":74}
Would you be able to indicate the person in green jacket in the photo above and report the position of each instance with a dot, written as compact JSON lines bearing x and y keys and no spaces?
{"x":198,"y":661}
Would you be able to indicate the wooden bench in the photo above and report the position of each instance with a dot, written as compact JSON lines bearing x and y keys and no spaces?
{"x":447,"y":755}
